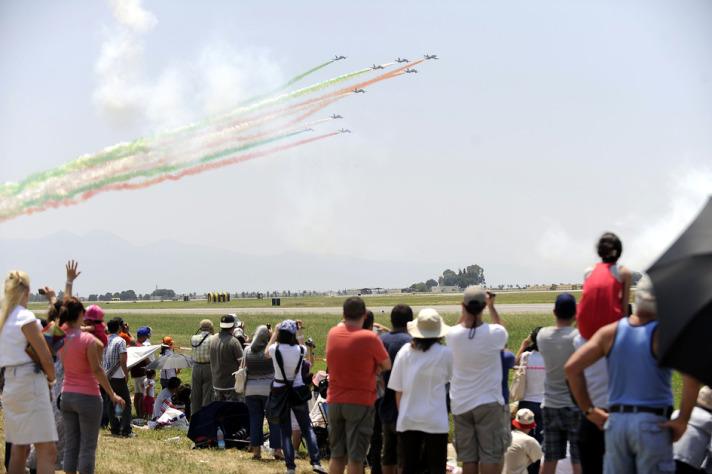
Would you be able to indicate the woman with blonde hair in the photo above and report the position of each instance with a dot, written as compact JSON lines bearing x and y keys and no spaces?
{"x":26,"y":398}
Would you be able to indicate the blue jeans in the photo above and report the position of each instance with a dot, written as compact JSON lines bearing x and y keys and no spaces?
{"x":256,"y":408}
{"x":301,"y":413}
{"x":635,"y":443}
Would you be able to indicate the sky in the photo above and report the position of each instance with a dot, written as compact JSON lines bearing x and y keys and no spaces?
{"x":541,"y":125}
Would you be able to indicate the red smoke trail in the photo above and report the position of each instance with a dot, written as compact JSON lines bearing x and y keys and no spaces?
{"x":201,"y":168}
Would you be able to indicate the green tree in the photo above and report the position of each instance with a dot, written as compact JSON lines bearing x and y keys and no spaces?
{"x":431,"y":283}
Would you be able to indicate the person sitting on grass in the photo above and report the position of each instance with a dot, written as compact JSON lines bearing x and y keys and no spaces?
{"x":165,"y":397}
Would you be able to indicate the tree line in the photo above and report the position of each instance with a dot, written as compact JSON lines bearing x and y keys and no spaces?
{"x":470,"y":275}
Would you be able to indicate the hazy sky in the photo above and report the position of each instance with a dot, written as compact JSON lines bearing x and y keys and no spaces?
{"x":542,"y":125}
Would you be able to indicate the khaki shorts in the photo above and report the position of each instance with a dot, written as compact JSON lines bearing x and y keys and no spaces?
{"x":28,"y":410}
{"x":483,"y":434}
{"x":350,"y":430}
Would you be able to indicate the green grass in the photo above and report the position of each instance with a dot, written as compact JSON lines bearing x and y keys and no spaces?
{"x":413,"y":299}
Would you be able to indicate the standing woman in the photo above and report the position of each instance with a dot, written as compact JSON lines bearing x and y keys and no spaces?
{"x":292,"y":354}
{"x":26,"y":399}
{"x":260,"y":373}
{"x":420,"y":372}
{"x":81,"y":400}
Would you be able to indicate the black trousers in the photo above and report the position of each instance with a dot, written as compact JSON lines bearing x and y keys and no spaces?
{"x":592,"y":447}
{"x":422,"y":449}
{"x":120,"y":427}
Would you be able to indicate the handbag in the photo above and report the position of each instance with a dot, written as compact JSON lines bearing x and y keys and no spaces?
{"x":53,"y":337}
{"x":297,"y":395}
{"x":276,"y":409}
{"x":519,"y":381}
{"x":241,"y":377}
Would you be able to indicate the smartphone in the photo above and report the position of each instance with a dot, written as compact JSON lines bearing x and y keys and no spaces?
{"x":41,"y":291}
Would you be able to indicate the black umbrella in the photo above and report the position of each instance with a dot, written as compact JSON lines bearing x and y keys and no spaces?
{"x":682,"y":279}
{"x":232,"y":417}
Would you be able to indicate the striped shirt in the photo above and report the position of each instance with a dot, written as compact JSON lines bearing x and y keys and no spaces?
{"x":112,"y":352}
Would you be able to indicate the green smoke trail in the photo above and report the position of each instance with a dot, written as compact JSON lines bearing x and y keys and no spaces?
{"x":292,"y":81}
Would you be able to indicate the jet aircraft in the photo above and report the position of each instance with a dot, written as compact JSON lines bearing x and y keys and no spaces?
{"x":344,"y":130}
{"x":308,"y":129}
{"x":409,"y":70}
{"x":431,"y":56}
{"x":399,"y":60}
{"x":336,"y":116}
{"x":337,"y":58}
{"x":376,"y":67}
{"x":356,"y":91}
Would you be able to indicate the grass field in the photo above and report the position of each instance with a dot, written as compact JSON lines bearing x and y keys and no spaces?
{"x":148,"y":452}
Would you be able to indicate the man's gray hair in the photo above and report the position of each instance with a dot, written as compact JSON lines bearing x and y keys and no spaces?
{"x":645,"y":296}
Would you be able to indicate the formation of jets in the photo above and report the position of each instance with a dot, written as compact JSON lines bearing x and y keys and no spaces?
{"x":337,"y":58}
{"x":399,"y":60}
{"x":356,"y":91}
{"x":344,"y":130}
{"x":431,"y":56}
{"x":376,"y":67}
{"x":336,"y":116}
{"x":307,"y":129}
{"x":409,"y":70}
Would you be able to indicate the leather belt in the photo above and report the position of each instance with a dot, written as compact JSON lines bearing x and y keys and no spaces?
{"x":666,"y":412}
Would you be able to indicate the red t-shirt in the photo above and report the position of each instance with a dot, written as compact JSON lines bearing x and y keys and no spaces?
{"x":352,"y":355}
{"x":600,"y":302}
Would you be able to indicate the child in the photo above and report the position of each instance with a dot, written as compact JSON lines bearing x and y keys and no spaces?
{"x":166,"y":350}
{"x":94,"y":320}
{"x":149,"y":396}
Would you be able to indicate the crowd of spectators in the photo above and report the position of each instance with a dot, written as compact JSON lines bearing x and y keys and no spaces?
{"x":390,"y":398}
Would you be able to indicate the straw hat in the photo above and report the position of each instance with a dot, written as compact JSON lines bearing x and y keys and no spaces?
{"x":428,"y":325}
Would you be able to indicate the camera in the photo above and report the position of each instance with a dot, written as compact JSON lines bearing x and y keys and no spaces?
{"x":41,"y":291}
{"x":269,"y":326}
{"x":310,"y":343}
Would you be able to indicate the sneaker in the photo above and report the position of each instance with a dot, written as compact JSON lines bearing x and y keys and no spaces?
{"x":129,"y":435}
{"x":319,"y":468}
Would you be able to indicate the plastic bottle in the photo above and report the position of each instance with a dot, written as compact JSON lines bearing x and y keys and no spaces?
{"x":118,"y":413}
{"x":175,"y":438}
{"x":221,"y":439}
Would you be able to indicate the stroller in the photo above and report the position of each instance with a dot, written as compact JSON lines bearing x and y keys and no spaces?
{"x":321,"y":432}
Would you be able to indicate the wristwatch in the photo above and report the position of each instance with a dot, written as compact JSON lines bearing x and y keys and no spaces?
{"x":589,"y":410}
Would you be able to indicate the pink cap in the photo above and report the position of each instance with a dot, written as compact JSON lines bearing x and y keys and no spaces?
{"x":94,"y":313}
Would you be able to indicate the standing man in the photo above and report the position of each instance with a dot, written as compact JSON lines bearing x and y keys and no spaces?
{"x":138,"y":371}
{"x":560,"y":414}
{"x":401,"y":314}
{"x":225,"y":357}
{"x":113,"y":362}
{"x":639,"y":432}
{"x":355,"y":357}
{"x":482,"y":433}
{"x":202,"y":379}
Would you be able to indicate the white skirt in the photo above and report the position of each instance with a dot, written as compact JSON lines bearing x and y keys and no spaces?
{"x":28,"y":409}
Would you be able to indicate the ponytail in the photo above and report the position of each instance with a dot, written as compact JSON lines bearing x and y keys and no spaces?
{"x":17,"y":283}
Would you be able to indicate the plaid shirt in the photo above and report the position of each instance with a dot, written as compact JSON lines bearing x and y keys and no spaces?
{"x":201,"y":351}
{"x":115,"y":347}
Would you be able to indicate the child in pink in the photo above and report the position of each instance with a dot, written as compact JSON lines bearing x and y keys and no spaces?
{"x":94,"y":320}
{"x":149,"y":396}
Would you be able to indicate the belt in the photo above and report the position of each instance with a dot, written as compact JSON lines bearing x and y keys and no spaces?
{"x":666,"y":412}
{"x":202,"y":362}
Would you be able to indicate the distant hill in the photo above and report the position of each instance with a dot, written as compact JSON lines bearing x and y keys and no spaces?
{"x":109,"y":263}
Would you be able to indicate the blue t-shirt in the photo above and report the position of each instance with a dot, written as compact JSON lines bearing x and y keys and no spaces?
{"x":508,"y":361}
{"x":393,"y":341}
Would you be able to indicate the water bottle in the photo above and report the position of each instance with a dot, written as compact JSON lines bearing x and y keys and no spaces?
{"x":118,"y":413}
{"x":175,"y":438}
{"x":221,"y":439}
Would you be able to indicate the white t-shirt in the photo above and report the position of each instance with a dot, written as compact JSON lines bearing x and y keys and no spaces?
{"x":422,"y":376}
{"x":523,"y":451}
{"x":12,"y":340}
{"x":534,"y":387}
{"x":290,"y":358}
{"x":151,"y":388}
{"x":163,"y":396}
{"x":477,"y":367}
{"x":596,"y":377}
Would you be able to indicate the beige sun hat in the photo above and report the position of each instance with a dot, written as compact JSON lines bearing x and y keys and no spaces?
{"x":428,"y":325}
{"x":704,"y":398}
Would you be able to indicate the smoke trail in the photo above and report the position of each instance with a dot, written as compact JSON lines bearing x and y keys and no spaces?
{"x":192,"y":149}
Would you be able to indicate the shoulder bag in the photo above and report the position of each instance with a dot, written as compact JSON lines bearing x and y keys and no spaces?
{"x":519,"y":381}
{"x":241,"y":375}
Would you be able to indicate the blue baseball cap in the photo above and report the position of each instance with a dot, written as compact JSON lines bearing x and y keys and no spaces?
{"x":565,"y":306}
{"x":144,"y":331}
